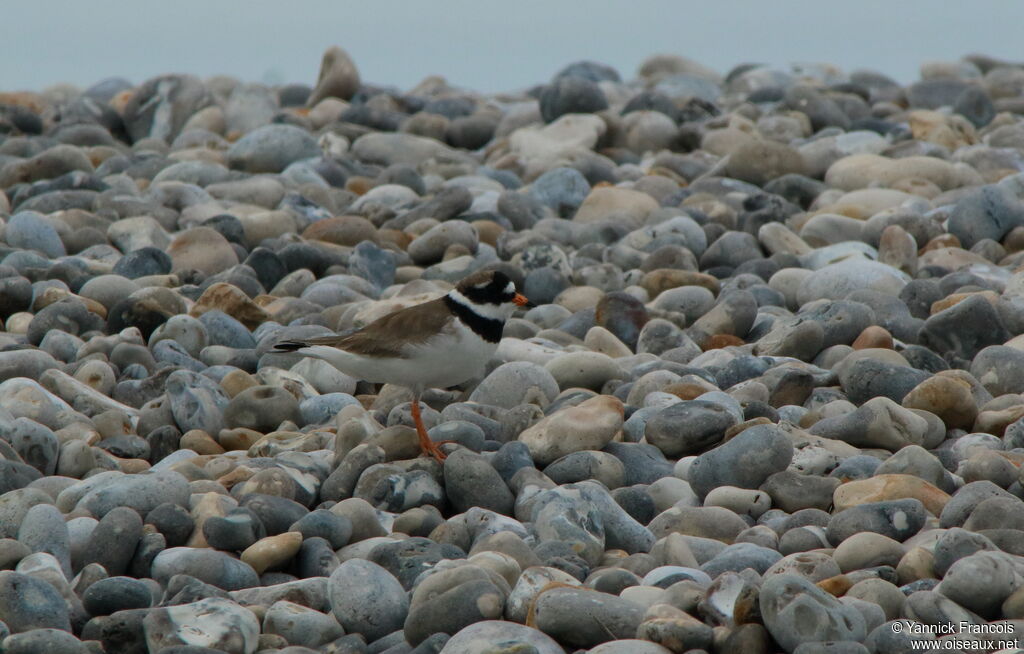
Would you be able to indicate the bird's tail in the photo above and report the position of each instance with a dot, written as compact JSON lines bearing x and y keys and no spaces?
{"x":288,"y":346}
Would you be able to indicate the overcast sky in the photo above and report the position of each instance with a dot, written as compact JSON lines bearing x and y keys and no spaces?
{"x":482,"y":44}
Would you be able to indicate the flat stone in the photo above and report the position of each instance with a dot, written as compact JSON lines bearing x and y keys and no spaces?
{"x":215,"y":622}
{"x":890,"y":487}
{"x":796,"y":611}
{"x":589,"y":425}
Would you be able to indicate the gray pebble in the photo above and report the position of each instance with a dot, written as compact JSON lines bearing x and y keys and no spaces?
{"x":745,"y":461}
{"x":366,"y":599}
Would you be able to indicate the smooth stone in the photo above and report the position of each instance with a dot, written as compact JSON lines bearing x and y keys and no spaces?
{"x":114,"y":540}
{"x":997,"y":368}
{"x":964,"y":329}
{"x":688,"y":427}
{"x":890,"y":487}
{"x":215,"y":568}
{"x":529,"y":584}
{"x":407,"y":559}
{"x":338,"y":77}
{"x":271,"y":148}
{"x":896,"y":519}
{"x":836,"y":281}
{"x":795,"y":611}
{"x":950,"y":398}
{"x":583,"y":370}
{"x":879,"y":422}
{"x":34,"y":443}
{"x":29,"y":603}
{"x":215,"y":622}
{"x":989,"y":212}
{"x":739,"y":556}
{"x":310,"y":592}
{"x":448,"y":600}
{"x":272,"y":552}
{"x":980,"y":583}
{"x":760,"y":161}
{"x":202,"y":249}
{"x":561,"y":189}
{"x":557,"y":612}
{"x":740,"y":501}
{"x":141,"y":492}
{"x":300,"y":625}
{"x":112,"y":594}
{"x":792,"y":491}
{"x":966,"y":498}
{"x":710,"y":522}
{"x":335,"y":529}
{"x":471,"y":481}
{"x":589,"y":425}
{"x":485,"y":635}
{"x":366,"y":599}
{"x":515,"y":383}
{"x":866,"y":550}
{"x":68,"y":315}
{"x":603,"y":203}
{"x":195,"y":402}
{"x":52,"y":641}
{"x":745,"y":461}
{"x":43,"y":530}
{"x":262,"y":408}
{"x":869,"y":378}
{"x":571,"y":95}
{"x":580,"y":466}
{"x":430,"y":246}
{"x":395,"y":148}
{"x":30,"y":230}
{"x":235,"y":531}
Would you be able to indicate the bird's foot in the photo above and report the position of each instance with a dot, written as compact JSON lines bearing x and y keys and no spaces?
{"x":433,"y":449}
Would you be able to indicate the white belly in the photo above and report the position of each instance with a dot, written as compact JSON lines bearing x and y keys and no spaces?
{"x":449,"y":359}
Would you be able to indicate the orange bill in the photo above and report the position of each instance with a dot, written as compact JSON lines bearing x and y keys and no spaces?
{"x":522,"y":300}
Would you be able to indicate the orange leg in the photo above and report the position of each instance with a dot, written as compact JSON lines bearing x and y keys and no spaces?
{"x":428,"y":446}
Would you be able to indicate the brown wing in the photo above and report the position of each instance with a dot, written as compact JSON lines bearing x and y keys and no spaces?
{"x":388,"y":336}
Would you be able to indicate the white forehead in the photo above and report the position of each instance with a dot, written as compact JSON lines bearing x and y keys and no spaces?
{"x":510,"y":288}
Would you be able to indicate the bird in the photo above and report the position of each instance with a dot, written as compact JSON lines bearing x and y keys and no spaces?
{"x":435,"y":344}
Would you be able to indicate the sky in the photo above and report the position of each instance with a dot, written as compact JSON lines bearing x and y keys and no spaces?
{"x":483,"y":44}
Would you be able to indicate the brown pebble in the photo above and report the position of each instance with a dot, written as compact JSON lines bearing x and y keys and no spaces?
{"x":948,"y":397}
{"x":917,"y":563}
{"x":200,"y":442}
{"x":939,"y":242}
{"x":237,"y":381}
{"x":836,"y":586}
{"x":342,"y":230}
{"x":881,"y":488}
{"x":359,"y":185}
{"x":1014,"y":240}
{"x":662,"y":279}
{"x":719,"y":341}
{"x":394,"y":237}
{"x":231,"y":300}
{"x":686,"y":390}
{"x":454,"y":251}
{"x":743,"y":426}
{"x":239,"y":475}
{"x":238,"y":438}
{"x":957,"y":298}
{"x":133,"y":466}
{"x":489,"y":231}
{"x":873,"y":336}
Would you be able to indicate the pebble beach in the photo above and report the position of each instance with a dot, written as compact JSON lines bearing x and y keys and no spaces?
{"x":770,"y":398}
